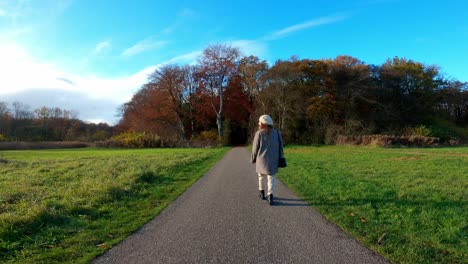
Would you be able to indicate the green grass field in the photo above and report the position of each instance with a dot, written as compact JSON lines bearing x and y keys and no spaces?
{"x":68,"y":206}
{"x":410,"y":205}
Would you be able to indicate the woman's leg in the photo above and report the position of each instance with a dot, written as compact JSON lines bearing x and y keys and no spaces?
{"x":260,"y":186}
{"x":271,"y":184}
{"x":261,"y":178}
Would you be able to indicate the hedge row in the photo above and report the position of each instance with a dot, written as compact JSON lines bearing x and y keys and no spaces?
{"x":20,"y":145}
{"x":388,"y":141}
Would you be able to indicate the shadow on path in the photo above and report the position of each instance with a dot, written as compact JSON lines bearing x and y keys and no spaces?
{"x":278,"y":201}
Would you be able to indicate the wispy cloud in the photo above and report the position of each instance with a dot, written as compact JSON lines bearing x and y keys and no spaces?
{"x":101,"y":47}
{"x":30,"y":19}
{"x":187,"y":12}
{"x":188,"y":58}
{"x":143,"y":46}
{"x":168,"y":29}
{"x":250,"y":47}
{"x":65,"y":80}
{"x":182,"y":16}
{"x":305,"y":25}
{"x":375,"y":2}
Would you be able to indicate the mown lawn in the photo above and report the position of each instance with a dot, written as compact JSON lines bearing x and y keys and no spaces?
{"x":68,"y":206}
{"x":409,"y":205}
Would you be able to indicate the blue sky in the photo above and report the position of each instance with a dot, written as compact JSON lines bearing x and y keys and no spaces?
{"x":92,"y":55}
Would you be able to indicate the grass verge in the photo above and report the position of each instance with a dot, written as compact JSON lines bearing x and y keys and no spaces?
{"x":409,"y":205}
{"x":68,"y":206}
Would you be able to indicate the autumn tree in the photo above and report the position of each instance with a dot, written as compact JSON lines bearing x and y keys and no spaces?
{"x":284,"y":96}
{"x":170,"y":79}
{"x":190,"y":96}
{"x":5,"y":118}
{"x":352,"y":90}
{"x":239,"y":109}
{"x":252,"y":72}
{"x":151,"y":110}
{"x":216,"y":66}
{"x":453,"y":102}
{"x":412,"y":89}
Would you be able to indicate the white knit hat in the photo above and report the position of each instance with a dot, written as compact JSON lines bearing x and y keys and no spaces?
{"x":266,"y":120}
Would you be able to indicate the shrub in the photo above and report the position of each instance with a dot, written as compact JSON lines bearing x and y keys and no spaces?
{"x":2,"y":138}
{"x":418,"y":131}
{"x":447,"y":131}
{"x":132,"y":139}
{"x":210,"y":135}
{"x":388,"y":141}
{"x":331,"y":134}
{"x":100,"y":136}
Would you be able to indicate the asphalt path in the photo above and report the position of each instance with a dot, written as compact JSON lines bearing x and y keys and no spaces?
{"x":220,"y":219}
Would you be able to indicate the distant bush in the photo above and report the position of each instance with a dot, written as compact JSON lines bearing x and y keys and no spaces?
{"x":418,"y":131}
{"x":2,"y":138}
{"x":132,"y":139}
{"x":331,"y":133}
{"x":388,"y":141}
{"x":100,"y":135}
{"x":210,"y":135}
{"x":447,"y":131}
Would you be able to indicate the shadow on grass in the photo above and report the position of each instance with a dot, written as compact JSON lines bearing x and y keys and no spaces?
{"x":42,"y":227}
{"x":27,"y":231}
{"x":398,"y":202}
{"x":152,"y":178}
{"x":135,"y":191}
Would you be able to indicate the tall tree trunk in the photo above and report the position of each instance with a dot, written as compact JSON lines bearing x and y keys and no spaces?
{"x":182,"y":130}
{"x":219,"y":122}
{"x":220,"y":115}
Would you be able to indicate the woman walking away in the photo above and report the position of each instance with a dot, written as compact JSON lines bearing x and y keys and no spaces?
{"x":266,"y":150}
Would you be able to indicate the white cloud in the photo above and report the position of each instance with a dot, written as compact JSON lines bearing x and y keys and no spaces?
{"x":20,"y":71}
{"x":101,"y":47}
{"x":22,"y":75}
{"x":305,"y":25}
{"x":142,"y":46}
{"x":33,"y":82}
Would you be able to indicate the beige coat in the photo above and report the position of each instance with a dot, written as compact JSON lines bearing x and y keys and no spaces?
{"x":266,"y":150}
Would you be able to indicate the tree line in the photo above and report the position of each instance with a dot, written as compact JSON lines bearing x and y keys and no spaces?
{"x":19,"y":123}
{"x":222,"y":95}
{"x":311,"y":101}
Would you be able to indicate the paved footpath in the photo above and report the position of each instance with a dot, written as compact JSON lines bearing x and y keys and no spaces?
{"x":220,"y":219}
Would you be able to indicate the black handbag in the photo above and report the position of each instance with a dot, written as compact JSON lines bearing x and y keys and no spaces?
{"x":281,"y":160}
